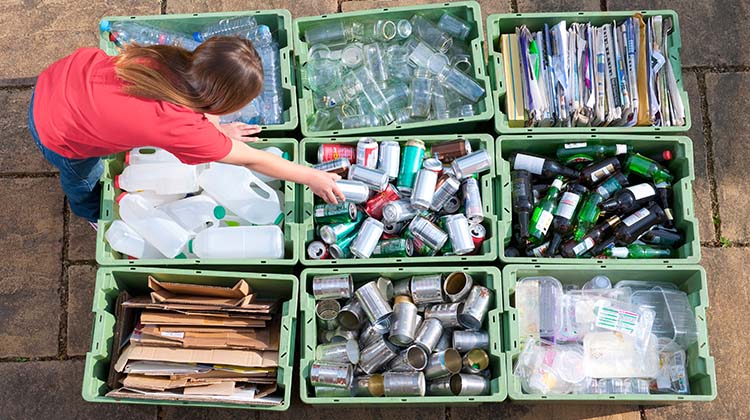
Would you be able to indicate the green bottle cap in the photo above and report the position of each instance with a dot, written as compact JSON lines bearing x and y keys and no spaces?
{"x":190,"y":247}
{"x":219,"y":212}
{"x":182,"y":256}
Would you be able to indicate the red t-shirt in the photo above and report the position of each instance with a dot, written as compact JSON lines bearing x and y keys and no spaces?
{"x":81,"y":111}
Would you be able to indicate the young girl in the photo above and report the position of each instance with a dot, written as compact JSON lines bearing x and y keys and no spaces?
{"x":89,"y":105}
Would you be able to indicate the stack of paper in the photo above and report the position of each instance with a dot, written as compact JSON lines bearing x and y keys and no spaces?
{"x":200,"y":343}
{"x":617,"y":75}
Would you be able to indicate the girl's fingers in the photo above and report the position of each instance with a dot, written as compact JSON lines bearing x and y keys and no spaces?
{"x":337,"y":192}
{"x":250,"y":139}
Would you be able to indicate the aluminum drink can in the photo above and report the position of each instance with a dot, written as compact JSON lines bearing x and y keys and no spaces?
{"x":411,"y":161}
{"x":317,"y":250}
{"x":330,"y":151}
{"x":472,"y":163}
{"x":393,"y":228}
{"x":354,"y":191}
{"x":367,"y":152}
{"x":472,"y":200}
{"x":335,"y":286}
{"x":330,"y":234}
{"x":335,"y":213}
{"x":376,"y":179}
{"x":374,"y":207}
{"x":424,"y":189}
{"x":338,"y":166}
{"x":342,"y":248}
{"x":389,"y":158}
{"x":449,"y":151}
{"x":425,"y":230}
{"x":399,"y":211}
{"x":475,"y":308}
{"x":367,"y":238}
{"x":478,"y":233}
{"x":420,"y":247}
{"x":452,"y":205}
{"x":458,"y":231}
{"x":396,"y":247}
{"x":447,"y":186}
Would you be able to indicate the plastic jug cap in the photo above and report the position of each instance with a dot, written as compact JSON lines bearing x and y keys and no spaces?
{"x":190,"y":246}
{"x":105,"y":25}
{"x":117,"y":182}
{"x":120,"y":197}
{"x":127,"y":158}
{"x":197,"y":37}
{"x":219,"y":212}
{"x":181,"y":256}
{"x":285,"y":155}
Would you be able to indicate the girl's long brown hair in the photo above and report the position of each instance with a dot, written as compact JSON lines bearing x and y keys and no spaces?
{"x":220,"y":77}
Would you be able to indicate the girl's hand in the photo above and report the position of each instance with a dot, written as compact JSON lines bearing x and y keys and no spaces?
{"x":323,"y":184}
{"x":238,"y":131}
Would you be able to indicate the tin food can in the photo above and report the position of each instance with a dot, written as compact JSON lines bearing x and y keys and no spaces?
{"x":332,"y":374}
{"x":334,"y":286}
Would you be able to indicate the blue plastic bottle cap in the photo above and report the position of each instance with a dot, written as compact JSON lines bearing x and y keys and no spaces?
{"x":285,"y":155}
{"x":198,"y":37}
{"x":105,"y":25}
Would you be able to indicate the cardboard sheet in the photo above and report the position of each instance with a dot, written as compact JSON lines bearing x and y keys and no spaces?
{"x":185,"y":293}
{"x":242,"y":358}
{"x":170,"y":318}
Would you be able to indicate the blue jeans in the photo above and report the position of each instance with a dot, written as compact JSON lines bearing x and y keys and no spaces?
{"x":79,"y":177}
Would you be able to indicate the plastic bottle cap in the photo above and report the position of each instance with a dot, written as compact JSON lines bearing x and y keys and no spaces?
{"x":667,"y":154}
{"x":181,"y":256}
{"x":105,"y":25}
{"x":119,"y":197}
{"x":190,"y":246}
{"x":285,"y":155}
{"x":117,"y":182}
{"x":127,"y":158}
{"x":198,"y":37}
{"x":219,"y":212}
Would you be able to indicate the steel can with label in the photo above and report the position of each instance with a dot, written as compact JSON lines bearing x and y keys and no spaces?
{"x":411,"y":161}
{"x":367,"y":152}
{"x":331,"y":151}
{"x":389,"y":158}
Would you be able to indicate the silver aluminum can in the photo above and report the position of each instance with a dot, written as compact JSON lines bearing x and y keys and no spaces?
{"x":428,"y":334}
{"x":339,"y":375}
{"x":352,"y":315}
{"x":367,"y":238}
{"x":331,"y":392}
{"x":465,"y":341}
{"x":404,"y":384}
{"x":457,"y":226}
{"x":377,"y":355}
{"x":368,"y":386}
{"x":375,"y":179}
{"x":446,"y":340}
{"x":389,"y":158}
{"x":394,"y":228}
{"x":411,"y":359}
{"x":452,"y":205}
{"x":399,"y":211}
{"x":402,"y":287}
{"x":440,"y":387}
{"x":427,"y":289}
{"x":443,"y":363}
{"x":447,"y":187}
{"x":472,"y":163}
{"x":367,"y":152}
{"x":336,"y":286}
{"x":457,"y":285}
{"x":326,"y":311}
{"x":428,"y":232}
{"x":470,"y":385}
{"x":317,"y":250}
{"x":354,"y":191}
{"x":403,"y":322}
{"x":475,"y":308}
{"x":472,"y":200}
{"x":342,"y":334}
{"x":341,"y":352}
{"x":376,"y":307}
{"x":424,"y":189}
{"x":476,"y":361}
{"x":446,"y":313}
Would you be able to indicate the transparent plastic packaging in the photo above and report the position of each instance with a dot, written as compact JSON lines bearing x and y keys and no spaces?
{"x":674,"y":320}
{"x":239,"y":242}
{"x":539,"y":304}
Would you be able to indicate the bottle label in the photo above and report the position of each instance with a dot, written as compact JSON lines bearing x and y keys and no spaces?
{"x":636,"y":217}
{"x":622,"y":149}
{"x":602,"y":173}
{"x":583,"y":246}
{"x":619,"y":252}
{"x":540,"y":250}
{"x":533,"y":164}
{"x":557,"y":183}
{"x":575,"y":145}
{"x":642,"y":191}
{"x":616,"y":320}
{"x":567,"y":206}
{"x":545,"y":220}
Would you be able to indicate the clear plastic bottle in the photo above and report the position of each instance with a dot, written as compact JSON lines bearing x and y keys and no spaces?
{"x":148,"y":154}
{"x":462,"y":84}
{"x":249,"y":114}
{"x":126,"y":33}
{"x":421,"y":94}
{"x":195,"y":213}
{"x":272,"y":105}
{"x":160,"y":178}
{"x":239,"y":242}
{"x":241,"y":192}
{"x":123,"y":239}
{"x":228,"y":26}
{"x":260,"y":36}
{"x":153,"y":225}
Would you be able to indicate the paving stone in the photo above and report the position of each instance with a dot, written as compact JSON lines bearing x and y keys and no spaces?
{"x":701,"y":189}
{"x":296,"y":8}
{"x":81,"y":238}
{"x":30,"y":243}
{"x":188,"y":413}
{"x":33,"y":34}
{"x":527,"y":6}
{"x":81,"y":286}
{"x":516,"y":411}
{"x":20,"y":153}
{"x":713,"y":32}
{"x":730,"y":130}
{"x":728,"y":288}
{"x":52,"y":390}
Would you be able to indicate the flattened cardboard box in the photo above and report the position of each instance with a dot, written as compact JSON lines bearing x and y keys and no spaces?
{"x":242,"y":358}
{"x":199,"y":294}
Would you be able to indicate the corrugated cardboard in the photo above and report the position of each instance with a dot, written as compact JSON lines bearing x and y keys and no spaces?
{"x":199,"y":294}
{"x":257,"y":307}
{"x":170,"y":318}
{"x":222,"y":388}
{"x":242,"y":358}
{"x":241,"y":396}
{"x":210,"y":337}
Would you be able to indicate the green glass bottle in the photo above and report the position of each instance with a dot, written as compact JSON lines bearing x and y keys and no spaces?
{"x":573,"y":153}
{"x":647,"y":168}
{"x":637,"y":251}
{"x":542,"y":217}
{"x":587,"y":215}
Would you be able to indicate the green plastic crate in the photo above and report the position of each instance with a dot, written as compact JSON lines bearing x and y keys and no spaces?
{"x":105,"y":255}
{"x":681,"y":167}
{"x":110,"y":281}
{"x":499,"y":24}
{"x":488,"y":252}
{"x":467,"y":10}
{"x":279,"y":20}
{"x":486,"y":276}
{"x":691,"y":279}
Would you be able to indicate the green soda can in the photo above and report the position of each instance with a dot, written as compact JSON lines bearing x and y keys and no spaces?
{"x":394,"y":247}
{"x":328,"y":214}
{"x":647,"y":168}
{"x":419,"y":247}
{"x":411,"y":162}
{"x":587,"y":215}
{"x":447,"y":249}
{"x":340,"y":249}
{"x":331,"y":233}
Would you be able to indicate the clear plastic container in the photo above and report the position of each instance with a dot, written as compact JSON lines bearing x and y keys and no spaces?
{"x":539,"y":304}
{"x":239,"y":242}
{"x":123,"y":239}
{"x":547,"y":369}
{"x":609,"y":354}
{"x":149,"y":154}
{"x":159,"y":178}
{"x":241,"y":192}
{"x":579,"y":310}
{"x":674,"y":320}
{"x":153,"y":225}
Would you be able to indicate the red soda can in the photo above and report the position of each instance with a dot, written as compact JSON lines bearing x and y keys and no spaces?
{"x":367,"y":152}
{"x":478,"y":233}
{"x":388,"y":236}
{"x":332,"y":151}
{"x":374,"y":207}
